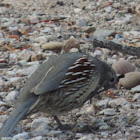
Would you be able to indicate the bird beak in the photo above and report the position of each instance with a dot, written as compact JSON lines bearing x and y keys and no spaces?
{"x":119,"y":77}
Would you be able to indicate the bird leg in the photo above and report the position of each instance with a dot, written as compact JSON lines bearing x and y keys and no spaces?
{"x":60,"y":125}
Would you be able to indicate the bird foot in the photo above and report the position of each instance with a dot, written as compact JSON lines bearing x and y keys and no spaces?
{"x":65,"y":127}
{"x":60,"y":125}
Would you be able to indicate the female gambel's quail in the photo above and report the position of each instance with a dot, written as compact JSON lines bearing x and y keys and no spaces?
{"x":59,"y":85}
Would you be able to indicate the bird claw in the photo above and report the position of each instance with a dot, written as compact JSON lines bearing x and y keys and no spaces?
{"x":65,"y":127}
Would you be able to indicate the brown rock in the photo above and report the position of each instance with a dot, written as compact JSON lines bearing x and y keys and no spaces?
{"x":24,"y":20}
{"x":123,"y":66}
{"x":52,"y":46}
{"x":37,"y":57}
{"x":71,"y":43}
{"x":130,"y":80}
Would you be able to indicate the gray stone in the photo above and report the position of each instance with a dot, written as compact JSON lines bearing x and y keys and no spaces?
{"x":39,"y":122}
{"x":2,"y":103}
{"x":54,"y":132}
{"x":42,"y":130}
{"x":104,"y":127}
{"x":38,"y":138}
{"x":22,"y":63}
{"x":25,"y":55}
{"x":47,"y":30}
{"x":77,"y":10}
{"x":81,"y":22}
{"x":2,"y":10}
{"x":102,"y":103}
{"x":21,"y":136}
{"x":41,"y":39}
{"x":136,"y":89}
{"x":103,"y":33}
{"x":28,"y":71}
{"x":108,"y":9}
{"x":116,"y":102}
{"x":12,"y":95}
{"x":108,"y":111}
{"x":136,"y":97}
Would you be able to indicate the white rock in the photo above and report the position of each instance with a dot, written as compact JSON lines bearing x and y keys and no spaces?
{"x":40,"y":121}
{"x":47,"y":30}
{"x":136,"y":97}
{"x":41,"y":39}
{"x":108,"y":9}
{"x":87,"y":137}
{"x":133,"y":4}
{"x":12,"y":28}
{"x":116,"y":102}
{"x":3,"y":118}
{"x":135,"y":33}
{"x":11,"y":72}
{"x":74,"y":50}
{"x":28,"y":71}
{"x":33,"y":63}
{"x":78,"y":135}
{"x":90,"y":110}
{"x":54,"y":132}
{"x":98,"y":52}
{"x":127,"y":133}
{"x":25,"y":55}
{"x":12,"y":95}
{"x":42,"y":130}
{"x":3,"y":94}
{"x":108,"y":111}
{"x":128,"y":17}
{"x":102,"y":103}
{"x":111,"y":61}
{"x":2,"y":10}
{"x":2,"y":103}
{"x":12,"y":57}
{"x":104,"y":127}
{"x":5,"y":19}
{"x":103,"y":33}
{"x":119,"y":22}
{"x":77,"y":10}
{"x":104,"y":133}
{"x":36,"y":47}
{"x":22,"y":136}
{"x":126,"y":33}
{"x":136,"y":89}
{"x":38,"y":138}
{"x":14,"y":79}
{"x":22,"y":62}
{"x":7,"y":24}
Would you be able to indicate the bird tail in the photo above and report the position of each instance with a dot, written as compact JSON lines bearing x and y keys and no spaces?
{"x":21,"y":109}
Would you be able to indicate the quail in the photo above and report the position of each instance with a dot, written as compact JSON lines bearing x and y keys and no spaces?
{"x":59,"y":85}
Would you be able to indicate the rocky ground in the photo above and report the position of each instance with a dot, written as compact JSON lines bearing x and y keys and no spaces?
{"x":32,"y":31}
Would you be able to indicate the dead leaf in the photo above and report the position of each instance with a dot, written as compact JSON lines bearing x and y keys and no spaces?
{"x":130,"y":44}
{"x":28,"y":46}
{"x":9,"y":48}
{"x":14,"y":36}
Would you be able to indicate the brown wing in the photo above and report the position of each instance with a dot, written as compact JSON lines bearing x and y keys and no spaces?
{"x":79,"y":73}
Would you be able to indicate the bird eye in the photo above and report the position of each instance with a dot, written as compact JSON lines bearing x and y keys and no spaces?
{"x":112,"y":79}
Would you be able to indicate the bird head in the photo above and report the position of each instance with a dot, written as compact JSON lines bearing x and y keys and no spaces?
{"x":108,"y":77}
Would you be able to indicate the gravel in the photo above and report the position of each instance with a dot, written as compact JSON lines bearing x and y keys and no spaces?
{"x":32,"y":31}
